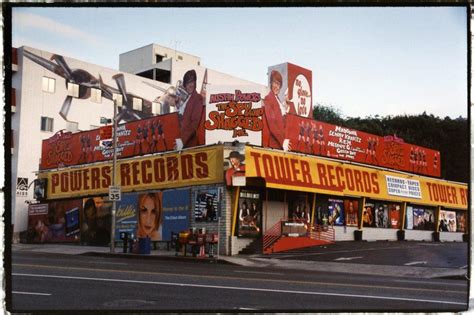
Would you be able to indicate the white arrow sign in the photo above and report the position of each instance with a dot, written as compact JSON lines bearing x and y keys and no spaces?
{"x":347,"y":258}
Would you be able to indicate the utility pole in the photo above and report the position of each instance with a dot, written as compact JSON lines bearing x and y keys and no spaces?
{"x":114,"y":166}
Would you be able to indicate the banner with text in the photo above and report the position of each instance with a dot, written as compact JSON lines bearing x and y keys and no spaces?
{"x":151,"y":135}
{"x":294,"y":172}
{"x":191,"y":167}
{"x":234,"y":113}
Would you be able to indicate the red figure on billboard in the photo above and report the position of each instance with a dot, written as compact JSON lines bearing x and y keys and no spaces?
{"x":157,"y":133}
{"x":138,"y":146}
{"x":87,"y":155}
{"x":275,"y":114}
{"x":320,"y":140}
{"x":191,"y":113}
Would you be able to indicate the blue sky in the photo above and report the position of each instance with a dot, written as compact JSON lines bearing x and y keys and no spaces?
{"x":365,"y":61}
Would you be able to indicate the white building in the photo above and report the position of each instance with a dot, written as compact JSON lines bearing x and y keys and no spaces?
{"x":52,"y":93}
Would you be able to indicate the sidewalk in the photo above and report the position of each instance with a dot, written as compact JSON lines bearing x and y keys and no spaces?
{"x":254,"y":261}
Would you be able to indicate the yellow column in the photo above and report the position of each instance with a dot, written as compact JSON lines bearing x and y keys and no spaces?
{"x":313,"y":209}
{"x":438,"y":208}
{"x":403,"y":214}
{"x":236,"y":206}
{"x":361,"y":214}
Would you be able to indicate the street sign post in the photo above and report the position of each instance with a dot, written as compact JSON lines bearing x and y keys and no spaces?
{"x":115,"y":193}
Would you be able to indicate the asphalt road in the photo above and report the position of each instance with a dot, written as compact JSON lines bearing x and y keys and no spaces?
{"x":71,"y":282}
{"x":427,"y":254}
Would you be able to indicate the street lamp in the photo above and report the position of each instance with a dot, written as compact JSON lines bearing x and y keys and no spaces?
{"x":114,"y":166}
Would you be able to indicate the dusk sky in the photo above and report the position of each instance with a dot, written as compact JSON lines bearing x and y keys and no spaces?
{"x":365,"y":61}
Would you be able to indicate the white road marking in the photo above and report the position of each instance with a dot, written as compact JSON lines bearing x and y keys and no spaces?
{"x":31,"y":293}
{"x":416,"y":263}
{"x":258,"y":272}
{"x":347,"y":258}
{"x":464,"y":267}
{"x":248,"y":309}
{"x":241,"y":288}
{"x":108,"y":263}
{"x":433,"y":282}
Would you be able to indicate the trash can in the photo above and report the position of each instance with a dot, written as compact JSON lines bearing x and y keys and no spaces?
{"x":144,"y":246}
{"x":358,"y":235}
{"x":183,"y":241}
{"x":401,"y":235}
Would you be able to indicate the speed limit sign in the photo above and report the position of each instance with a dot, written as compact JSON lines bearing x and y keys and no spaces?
{"x":115,"y":193}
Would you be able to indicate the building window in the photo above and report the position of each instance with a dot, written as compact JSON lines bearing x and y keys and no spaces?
{"x":118,"y":98}
{"x":180,"y":57}
{"x":46,"y":124}
{"x":73,"y":89}
{"x":137,"y":104}
{"x":48,"y":85}
{"x":158,"y":58}
{"x":72,"y":126}
{"x":96,"y":95}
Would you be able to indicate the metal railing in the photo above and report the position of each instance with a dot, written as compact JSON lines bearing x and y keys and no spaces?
{"x":322,"y":232}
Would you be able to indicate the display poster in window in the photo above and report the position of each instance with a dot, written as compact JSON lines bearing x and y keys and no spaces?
{"x":38,"y":222}
{"x":447,"y":221}
{"x":58,"y":226}
{"x":368,"y":215}
{"x":206,"y":205}
{"x":336,"y":212}
{"x":322,"y":210}
{"x":409,"y":218}
{"x":40,"y":188}
{"x":234,"y":163}
{"x":351,"y":208}
{"x":418,"y":219}
{"x":150,"y":215}
{"x":249,"y":215}
{"x":126,"y":216}
{"x":96,"y":219}
{"x":176,"y":211}
{"x":429,"y":220}
{"x":298,"y":208}
{"x":394,"y":214}
{"x":461,"y":221}
{"x":381,"y":216}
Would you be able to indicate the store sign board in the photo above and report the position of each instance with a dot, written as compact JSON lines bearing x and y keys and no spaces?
{"x":234,"y":113}
{"x":38,"y":209}
{"x":312,"y":174}
{"x":193,"y":167}
{"x":398,"y":186}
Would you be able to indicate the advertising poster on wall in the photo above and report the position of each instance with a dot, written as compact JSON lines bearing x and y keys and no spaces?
{"x":126,"y":216}
{"x":38,"y":222}
{"x":381,"y":216}
{"x":95,"y":225}
{"x":150,"y":215}
{"x":59,"y":212}
{"x":394,"y":214}
{"x":336,"y":212}
{"x":234,"y":113}
{"x":151,"y":135}
{"x":234,"y":165}
{"x":176,"y":210}
{"x":461,"y":222}
{"x":249,"y":214}
{"x":368,"y":215}
{"x":447,"y":221}
{"x":206,"y":205}
{"x":409,"y":218}
{"x":73,"y":226}
{"x":351,"y":207}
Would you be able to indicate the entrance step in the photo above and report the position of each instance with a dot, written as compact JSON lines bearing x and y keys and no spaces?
{"x":255,"y":247}
{"x":288,"y":243}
